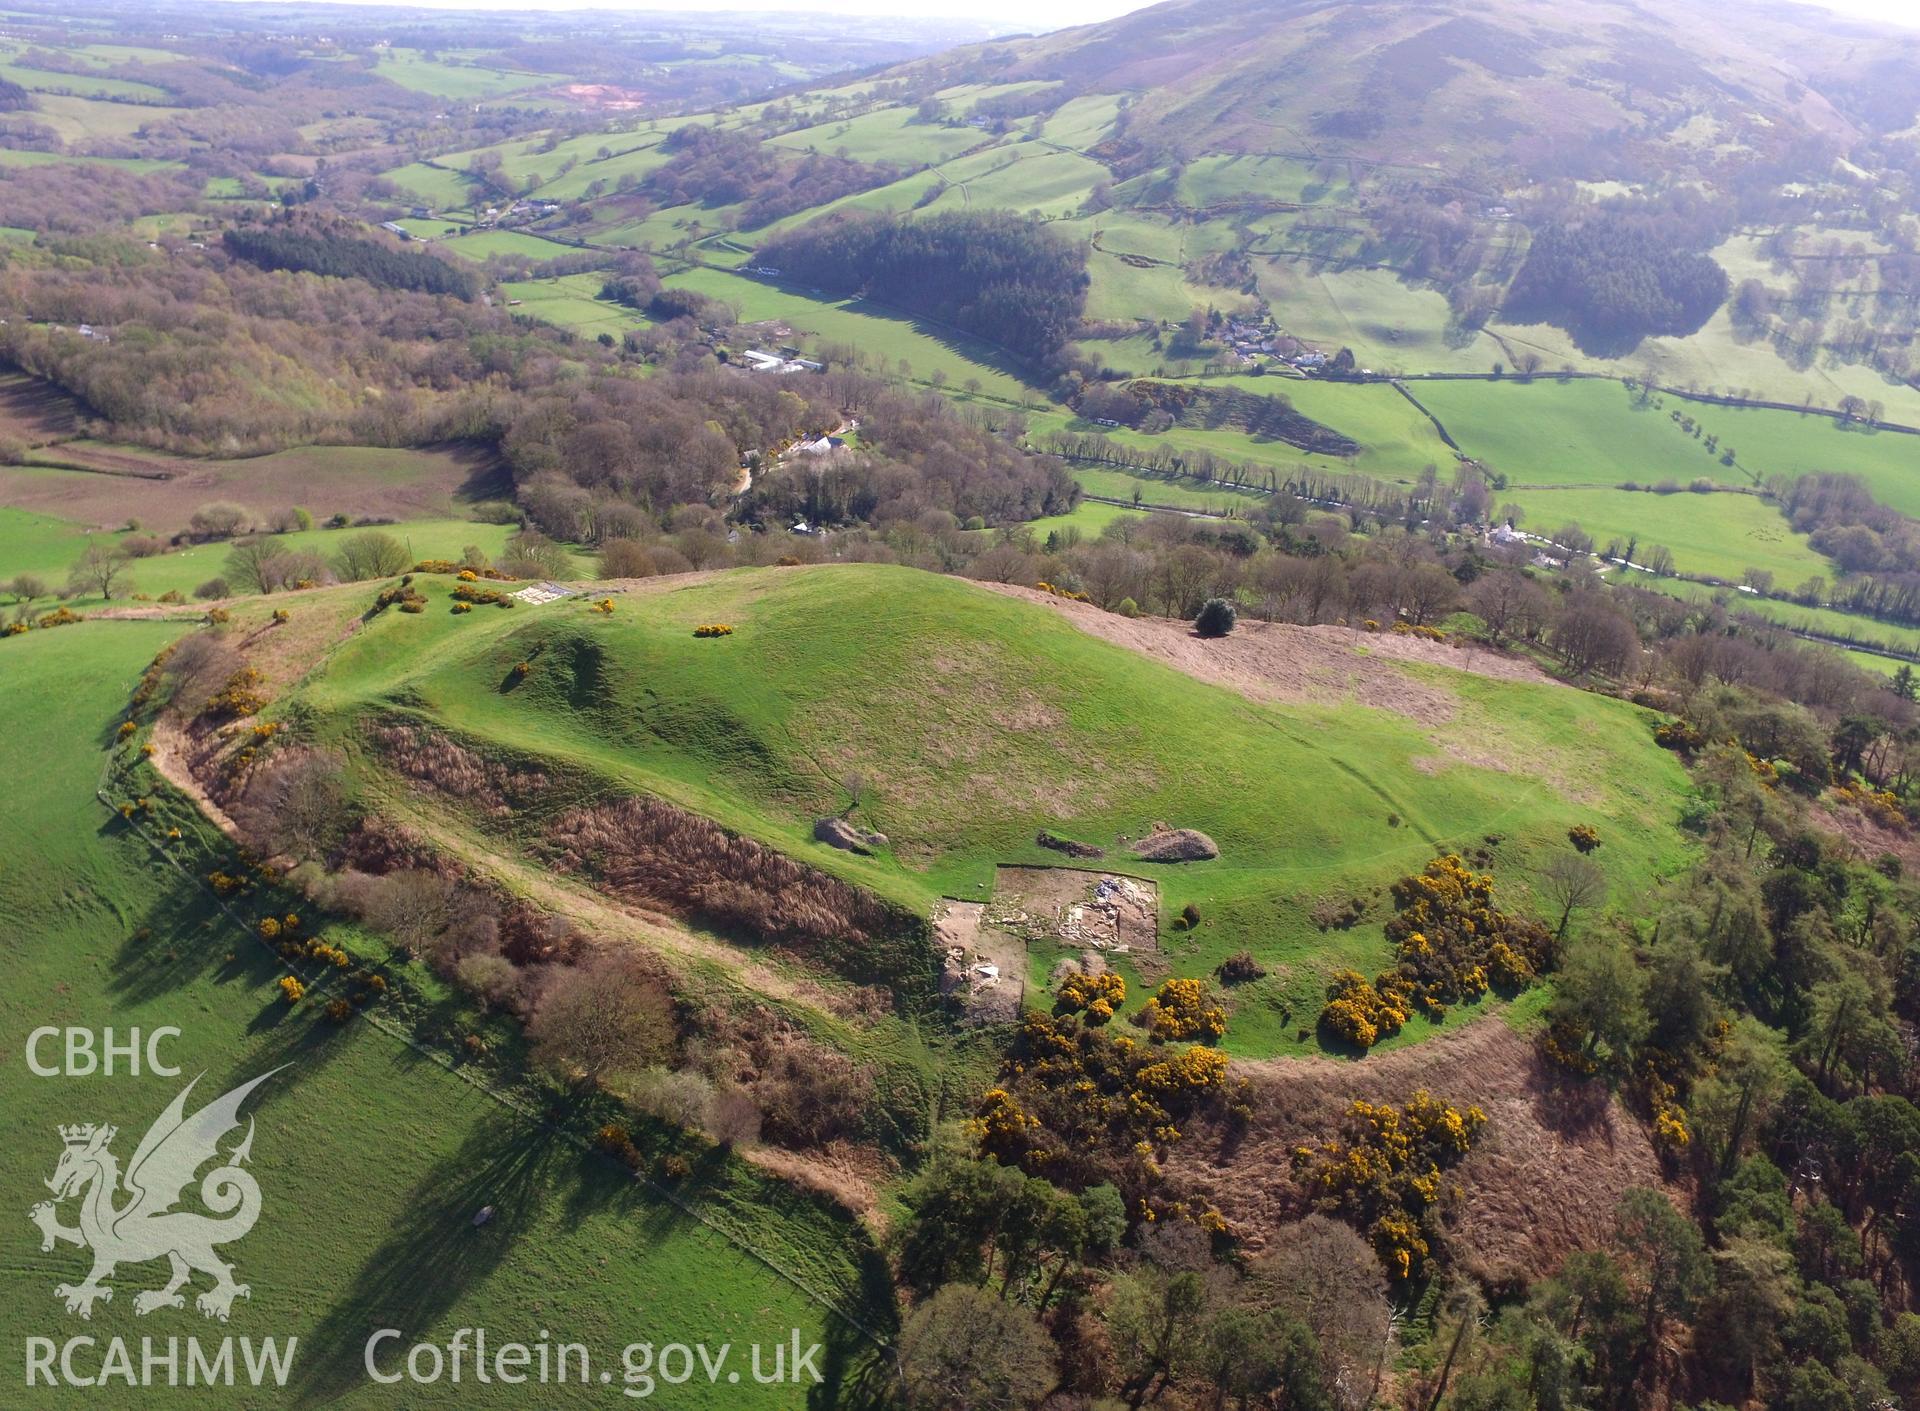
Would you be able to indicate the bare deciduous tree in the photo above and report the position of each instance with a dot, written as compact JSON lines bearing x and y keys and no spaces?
{"x":101,"y":568}
{"x":1326,"y":1274}
{"x":608,"y":1015}
{"x":1571,"y":883}
{"x":415,"y":908}
{"x":298,"y":804}
{"x":966,"y":1350}
{"x":197,"y":667}
{"x":370,"y":555}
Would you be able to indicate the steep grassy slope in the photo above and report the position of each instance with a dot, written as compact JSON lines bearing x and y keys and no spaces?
{"x":371,"y":1159}
{"x":977,"y":720}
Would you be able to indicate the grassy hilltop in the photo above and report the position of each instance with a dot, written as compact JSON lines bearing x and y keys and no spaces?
{"x":977,"y":720}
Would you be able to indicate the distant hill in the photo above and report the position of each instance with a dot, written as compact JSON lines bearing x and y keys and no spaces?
{"x":1593,"y":89}
{"x":1605,"y":122}
{"x":1724,"y":197}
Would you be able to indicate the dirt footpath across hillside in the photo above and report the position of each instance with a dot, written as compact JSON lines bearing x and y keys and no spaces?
{"x":1543,"y":1181}
{"x":1281,"y":662}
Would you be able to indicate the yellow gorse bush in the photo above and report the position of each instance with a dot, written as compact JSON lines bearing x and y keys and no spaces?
{"x":1385,"y":1173}
{"x":1451,"y":944}
{"x":1099,"y":995}
{"x":1180,"y":1011}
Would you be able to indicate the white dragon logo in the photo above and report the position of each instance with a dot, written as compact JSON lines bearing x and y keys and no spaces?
{"x":147,"y":1227}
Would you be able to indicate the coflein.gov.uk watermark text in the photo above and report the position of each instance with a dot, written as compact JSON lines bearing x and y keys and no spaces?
{"x":644,"y":1367}
{"x":466,"y":1357}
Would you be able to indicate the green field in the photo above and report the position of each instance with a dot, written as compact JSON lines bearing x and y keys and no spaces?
{"x":1820,"y":621}
{"x":413,"y":70}
{"x":978,"y":720}
{"x":1177,"y":492}
{"x":78,"y":119}
{"x":1083,"y":122}
{"x":888,"y":135}
{"x":1717,"y":358}
{"x":1088,"y":519}
{"x":1390,"y":324}
{"x":1026,"y":176}
{"x":535,"y":164}
{"x":10,"y":158}
{"x":434,"y":186}
{"x":1717,"y":535}
{"x":1237,"y":178}
{"x":1589,"y":432}
{"x":82,"y":85}
{"x":1782,"y":443}
{"x":626,"y":159}
{"x":40,"y":544}
{"x":1583,"y":432}
{"x":371,"y":1158}
{"x":37,"y":544}
{"x":885,"y":337}
{"x":1397,"y":442}
{"x":480,"y":244}
{"x":572,"y":301}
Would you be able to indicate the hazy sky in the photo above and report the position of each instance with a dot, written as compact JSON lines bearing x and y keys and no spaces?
{"x":1026,"y":14}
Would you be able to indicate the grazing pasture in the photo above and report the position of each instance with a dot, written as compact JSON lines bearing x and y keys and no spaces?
{"x":372,"y":1158}
{"x":1717,"y":535}
{"x":978,"y":719}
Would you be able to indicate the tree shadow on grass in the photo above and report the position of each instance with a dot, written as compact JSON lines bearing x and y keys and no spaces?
{"x":487,"y":475}
{"x":183,"y":938}
{"x":1573,"y":1106}
{"x":437,"y":1254}
{"x":296,"y":1048}
{"x":855,"y":1371}
{"x":855,"y":1365}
